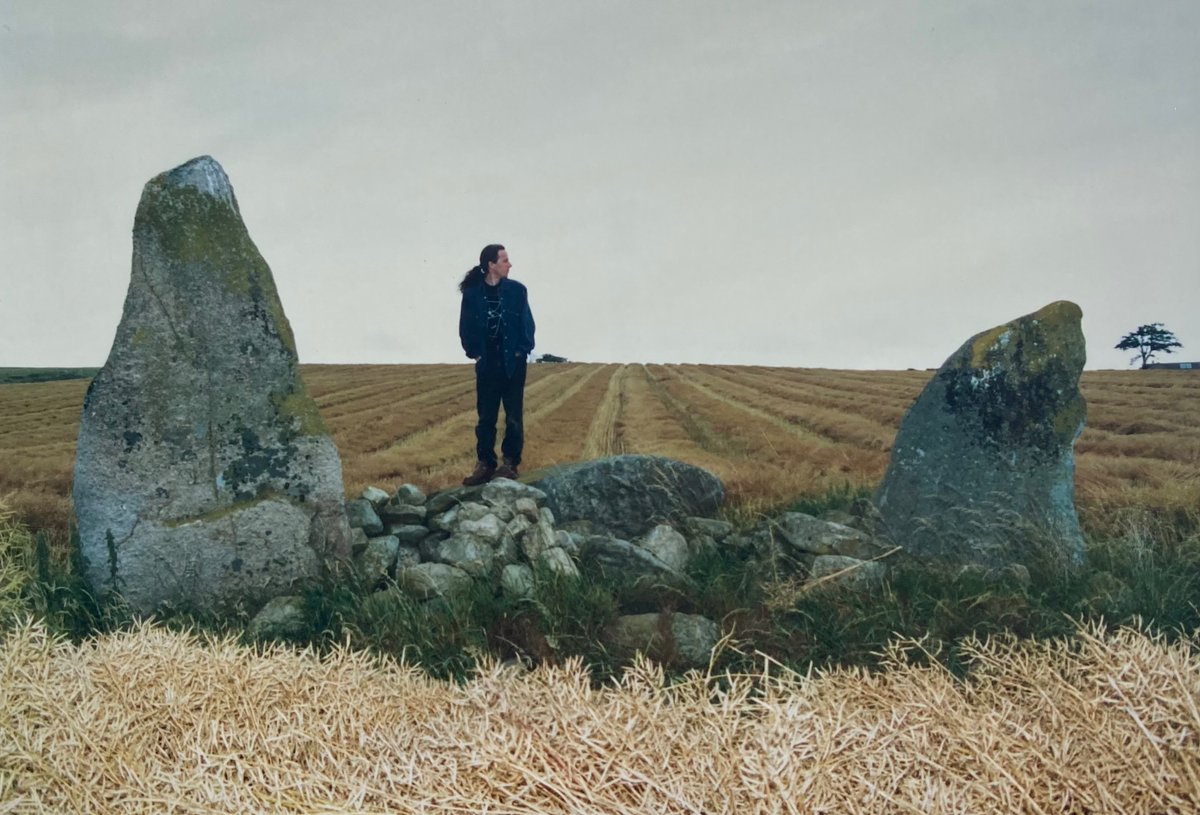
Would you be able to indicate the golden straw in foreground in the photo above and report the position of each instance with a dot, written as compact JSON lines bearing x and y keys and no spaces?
{"x":151,"y":721}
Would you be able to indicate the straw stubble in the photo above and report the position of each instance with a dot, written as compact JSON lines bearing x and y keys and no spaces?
{"x":153,"y":721}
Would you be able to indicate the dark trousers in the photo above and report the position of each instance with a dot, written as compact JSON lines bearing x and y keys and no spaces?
{"x":493,"y":386}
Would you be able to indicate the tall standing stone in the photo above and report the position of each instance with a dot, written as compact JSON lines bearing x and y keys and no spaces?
{"x":983,"y":466}
{"x":205,"y":477}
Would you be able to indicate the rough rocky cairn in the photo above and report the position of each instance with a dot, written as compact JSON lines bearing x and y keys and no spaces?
{"x":982,"y":469}
{"x":496,"y":537}
{"x":205,"y":477}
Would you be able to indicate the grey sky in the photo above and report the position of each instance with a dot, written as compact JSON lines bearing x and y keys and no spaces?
{"x":788,"y":183}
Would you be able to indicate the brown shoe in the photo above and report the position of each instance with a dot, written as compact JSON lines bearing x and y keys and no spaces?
{"x":506,"y":470}
{"x":483,"y":474}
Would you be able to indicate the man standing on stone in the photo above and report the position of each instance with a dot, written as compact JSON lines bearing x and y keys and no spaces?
{"x":496,"y":329}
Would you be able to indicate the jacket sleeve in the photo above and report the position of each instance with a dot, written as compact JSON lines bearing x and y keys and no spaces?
{"x":464,"y":325}
{"x":527,"y":325}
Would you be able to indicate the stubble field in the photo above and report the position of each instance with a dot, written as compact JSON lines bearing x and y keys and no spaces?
{"x":772,"y":434}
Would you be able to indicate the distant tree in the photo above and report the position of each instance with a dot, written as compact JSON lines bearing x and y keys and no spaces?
{"x":1148,"y":340}
{"x":551,"y":358}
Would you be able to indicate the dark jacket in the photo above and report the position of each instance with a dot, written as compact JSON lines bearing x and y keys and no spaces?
{"x":516,"y":322}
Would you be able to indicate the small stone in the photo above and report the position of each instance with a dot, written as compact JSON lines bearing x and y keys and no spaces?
{"x":375,"y":496}
{"x":527,"y":507}
{"x":428,"y":547}
{"x":467,"y":553}
{"x":711,"y":527}
{"x":805,"y":535}
{"x":537,"y":539}
{"x":409,"y":534}
{"x":558,"y":561}
{"x":449,"y":520}
{"x":546,"y":515}
{"x":397,"y":513}
{"x":361,"y":515}
{"x":427,"y":580}
{"x":851,"y":573}
{"x":487,"y":529}
{"x":281,"y":618}
{"x":506,"y":491}
{"x":686,"y":640}
{"x":409,"y":494}
{"x":379,"y":558}
{"x":516,"y":580}
{"x":667,"y":545}
{"x":407,"y":556}
{"x":567,"y":541}
{"x":507,"y":550}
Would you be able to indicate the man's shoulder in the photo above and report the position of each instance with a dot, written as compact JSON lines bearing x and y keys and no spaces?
{"x":515,"y":285}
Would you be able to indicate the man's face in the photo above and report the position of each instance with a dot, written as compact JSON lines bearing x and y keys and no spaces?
{"x":500,"y":265}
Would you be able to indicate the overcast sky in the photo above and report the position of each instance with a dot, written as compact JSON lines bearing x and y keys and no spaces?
{"x":840,"y":184}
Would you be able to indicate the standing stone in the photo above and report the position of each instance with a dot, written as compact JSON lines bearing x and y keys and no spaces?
{"x":983,"y":466}
{"x":205,"y":477}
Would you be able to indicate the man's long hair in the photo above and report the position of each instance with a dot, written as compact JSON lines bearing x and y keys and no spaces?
{"x":490,"y":254}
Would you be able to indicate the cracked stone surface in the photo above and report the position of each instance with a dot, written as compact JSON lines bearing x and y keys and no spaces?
{"x":204,"y":477}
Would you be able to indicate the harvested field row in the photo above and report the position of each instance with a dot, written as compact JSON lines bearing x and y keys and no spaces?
{"x":771,"y":433}
{"x":149,"y":721}
{"x":814,"y":417}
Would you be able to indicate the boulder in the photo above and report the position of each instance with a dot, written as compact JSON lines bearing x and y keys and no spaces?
{"x":507,"y":491}
{"x":847,"y":572}
{"x":379,"y":558}
{"x":803,"y":534}
{"x":982,"y":469}
{"x":205,"y":477}
{"x":623,"y":563}
{"x":449,"y":520}
{"x":516,"y":580}
{"x":712,"y":528}
{"x":682,"y":640}
{"x":428,"y":580}
{"x":376,"y":496}
{"x":667,"y":545}
{"x":467,"y":553}
{"x":558,"y":561}
{"x":629,"y":495}
{"x":536,"y":539}
{"x":360,"y":514}
{"x":407,"y":556}
{"x":487,"y":529}
{"x":442,"y":501}
{"x":409,"y":494}
{"x":283,"y":617}
{"x":395,"y":512}
{"x":409,"y":534}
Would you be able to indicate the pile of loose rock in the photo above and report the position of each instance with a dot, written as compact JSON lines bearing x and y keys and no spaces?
{"x":502,"y":535}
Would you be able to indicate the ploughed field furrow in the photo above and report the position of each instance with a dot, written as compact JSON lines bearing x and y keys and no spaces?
{"x":774,"y":462}
{"x":604,"y":433}
{"x":665,"y":384}
{"x":837,"y":385}
{"x":417,"y":398}
{"x":559,"y":433}
{"x":424,"y":430}
{"x":802,"y":402}
{"x":1157,"y":446}
{"x":756,"y":433}
{"x":447,"y":440}
{"x":830,"y":391}
{"x":442,"y":466}
{"x":353,"y":393}
{"x":651,"y":424}
{"x":795,"y":411}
